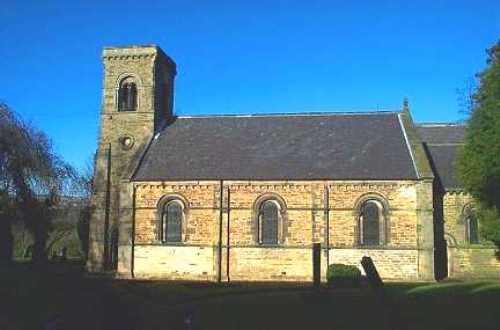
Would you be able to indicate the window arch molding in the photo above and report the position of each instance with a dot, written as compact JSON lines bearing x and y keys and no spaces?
{"x":467,"y":210}
{"x":383,"y":218}
{"x":162,"y":204}
{"x":132,"y":77}
{"x":282,"y":219}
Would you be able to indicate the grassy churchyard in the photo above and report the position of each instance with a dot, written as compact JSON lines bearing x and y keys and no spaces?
{"x":63,"y":297}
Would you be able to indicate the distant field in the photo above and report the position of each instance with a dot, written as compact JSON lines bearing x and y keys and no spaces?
{"x":70,"y":300}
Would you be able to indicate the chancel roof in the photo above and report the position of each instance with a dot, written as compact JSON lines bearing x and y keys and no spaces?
{"x":442,"y":142}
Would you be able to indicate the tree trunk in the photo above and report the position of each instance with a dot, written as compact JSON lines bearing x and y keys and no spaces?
{"x":40,"y":236}
{"x":6,"y":242}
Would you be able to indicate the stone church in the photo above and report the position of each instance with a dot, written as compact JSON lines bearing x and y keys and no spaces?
{"x":243,"y":198}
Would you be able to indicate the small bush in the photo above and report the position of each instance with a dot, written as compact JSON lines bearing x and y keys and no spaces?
{"x":343,"y":275}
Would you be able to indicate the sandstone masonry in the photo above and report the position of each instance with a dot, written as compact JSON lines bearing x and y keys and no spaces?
{"x":220,"y":231}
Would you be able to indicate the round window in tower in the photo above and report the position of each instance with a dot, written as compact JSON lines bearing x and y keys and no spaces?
{"x":127,"y":142}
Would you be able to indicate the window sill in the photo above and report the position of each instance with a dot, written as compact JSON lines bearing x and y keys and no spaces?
{"x":269,"y":245}
{"x":170,"y":243}
{"x":372,"y":247}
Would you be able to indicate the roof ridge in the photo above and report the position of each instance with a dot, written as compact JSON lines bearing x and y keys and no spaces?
{"x":445,"y":144}
{"x":291,"y":114}
{"x":439,"y":124}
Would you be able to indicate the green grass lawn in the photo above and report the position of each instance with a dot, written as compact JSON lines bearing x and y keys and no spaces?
{"x":29,"y":298}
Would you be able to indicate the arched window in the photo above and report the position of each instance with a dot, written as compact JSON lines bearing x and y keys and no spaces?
{"x":471,"y":227}
{"x":127,"y":95}
{"x":372,"y":223}
{"x":171,"y":222}
{"x":269,"y":222}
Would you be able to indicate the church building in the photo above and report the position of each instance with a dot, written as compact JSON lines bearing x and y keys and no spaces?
{"x":245,"y":197}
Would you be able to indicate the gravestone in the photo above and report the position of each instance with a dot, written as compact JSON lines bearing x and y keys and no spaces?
{"x":371,"y":273}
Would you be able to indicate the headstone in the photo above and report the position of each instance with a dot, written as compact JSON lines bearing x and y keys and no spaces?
{"x":371,"y":273}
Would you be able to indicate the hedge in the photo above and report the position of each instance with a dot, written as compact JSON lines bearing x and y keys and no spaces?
{"x":343,"y":275}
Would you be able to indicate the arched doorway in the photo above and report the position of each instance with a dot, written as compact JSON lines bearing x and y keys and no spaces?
{"x":451,"y":246}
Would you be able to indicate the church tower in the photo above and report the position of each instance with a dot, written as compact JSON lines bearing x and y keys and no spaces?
{"x":137,"y":102}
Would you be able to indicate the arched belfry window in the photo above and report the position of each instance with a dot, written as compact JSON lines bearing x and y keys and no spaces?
{"x":471,"y":226}
{"x":127,"y":95}
{"x":172,"y":217}
{"x":372,"y":223}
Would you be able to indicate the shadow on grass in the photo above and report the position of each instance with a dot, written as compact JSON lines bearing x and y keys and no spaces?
{"x":62,"y":293}
{"x":167,"y":293}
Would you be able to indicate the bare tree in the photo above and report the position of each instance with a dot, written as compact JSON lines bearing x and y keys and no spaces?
{"x":86,"y":185}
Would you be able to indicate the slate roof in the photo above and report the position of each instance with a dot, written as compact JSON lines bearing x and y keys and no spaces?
{"x":442,"y":142}
{"x":280,"y":147}
{"x":442,"y":133}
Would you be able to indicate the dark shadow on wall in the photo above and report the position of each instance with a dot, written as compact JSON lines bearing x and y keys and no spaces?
{"x":114,"y":249}
{"x":440,"y":250}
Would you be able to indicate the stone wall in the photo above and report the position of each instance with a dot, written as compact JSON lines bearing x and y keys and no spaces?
{"x":465,"y":260}
{"x":175,"y":262}
{"x":453,"y":206}
{"x":392,"y":264}
{"x":270,"y":264}
{"x":316,"y":212}
{"x":473,"y":262}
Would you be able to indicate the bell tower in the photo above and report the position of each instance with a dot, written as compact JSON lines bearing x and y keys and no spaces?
{"x":137,"y":102}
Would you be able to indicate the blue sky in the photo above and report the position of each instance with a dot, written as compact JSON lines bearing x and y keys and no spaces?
{"x":244,"y":57}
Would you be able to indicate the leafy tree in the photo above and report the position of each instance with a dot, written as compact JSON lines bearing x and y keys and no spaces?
{"x":32,"y":179}
{"x":478,"y":162}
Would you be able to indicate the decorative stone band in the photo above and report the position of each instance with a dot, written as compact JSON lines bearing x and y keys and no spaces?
{"x":128,"y":57}
{"x":286,"y":247}
{"x":252,"y":186}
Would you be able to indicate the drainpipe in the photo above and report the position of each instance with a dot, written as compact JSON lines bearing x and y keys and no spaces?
{"x":133,"y":232}
{"x":327,"y":217}
{"x":227,"y":252}
{"x":107,"y":211}
{"x":221,"y":215}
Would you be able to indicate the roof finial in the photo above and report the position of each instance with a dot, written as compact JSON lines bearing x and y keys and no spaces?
{"x":406,"y":106}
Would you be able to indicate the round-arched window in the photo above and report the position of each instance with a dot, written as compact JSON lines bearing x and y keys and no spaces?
{"x":171,"y":222}
{"x":269,"y":218}
{"x":127,"y":95}
{"x":471,"y":227}
{"x":372,"y":226}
